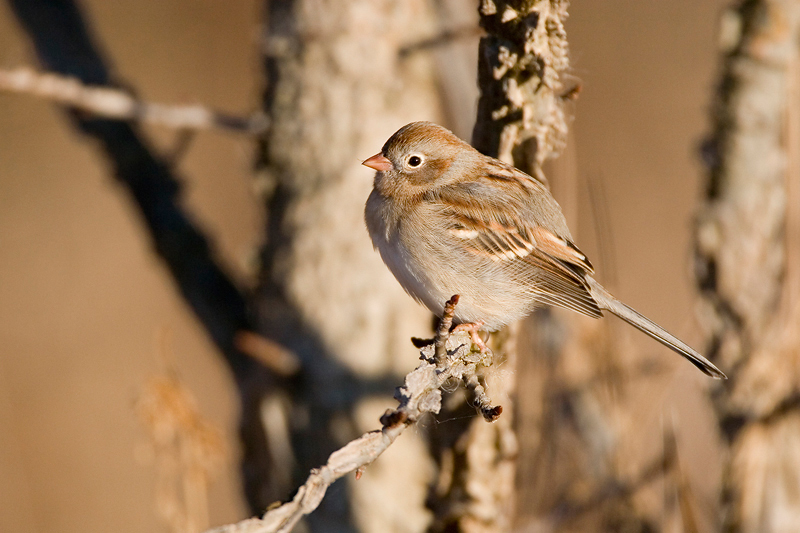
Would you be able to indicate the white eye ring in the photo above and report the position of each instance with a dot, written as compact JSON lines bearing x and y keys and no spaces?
{"x":414,"y":161}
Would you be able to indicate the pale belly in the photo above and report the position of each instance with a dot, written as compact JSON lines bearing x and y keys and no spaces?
{"x":485,"y":293}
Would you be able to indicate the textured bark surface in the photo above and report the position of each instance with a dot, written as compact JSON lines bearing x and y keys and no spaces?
{"x":520,"y":120}
{"x":748,"y":260}
{"x":520,"y":68}
{"x":568,"y":375}
{"x":337,"y":87}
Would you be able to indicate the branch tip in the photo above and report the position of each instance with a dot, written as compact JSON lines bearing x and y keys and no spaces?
{"x":393,"y":417}
{"x":443,"y":333}
{"x":115,"y":103}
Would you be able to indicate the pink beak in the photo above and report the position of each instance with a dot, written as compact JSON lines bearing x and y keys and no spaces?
{"x":378,"y":162}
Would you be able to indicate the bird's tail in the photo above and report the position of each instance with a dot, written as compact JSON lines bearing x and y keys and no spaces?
{"x":606,"y":300}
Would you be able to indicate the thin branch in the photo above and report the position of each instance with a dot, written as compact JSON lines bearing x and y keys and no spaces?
{"x":443,"y":38}
{"x":64,"y":45}
{"x":114,"y":103}
{"x":272,"y":354}
{"x":440,"y":350}
{"x":420,"y":395}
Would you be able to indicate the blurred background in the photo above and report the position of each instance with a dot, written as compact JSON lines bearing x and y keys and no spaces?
{"x":89,"y":317}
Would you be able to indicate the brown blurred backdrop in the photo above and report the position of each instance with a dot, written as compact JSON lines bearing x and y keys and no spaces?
{"x":85,"y":307}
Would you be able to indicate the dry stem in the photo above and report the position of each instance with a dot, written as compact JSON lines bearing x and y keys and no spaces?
{"x":114,"y":103}
{"x":420,"y":395}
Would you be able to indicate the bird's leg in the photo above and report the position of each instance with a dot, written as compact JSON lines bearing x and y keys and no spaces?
{"x":473,"y":328}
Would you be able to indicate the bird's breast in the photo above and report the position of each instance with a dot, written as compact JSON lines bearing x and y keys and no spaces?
{"x":431,"y":265}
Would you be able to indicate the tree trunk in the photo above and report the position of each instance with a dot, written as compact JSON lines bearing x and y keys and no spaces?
{"x":520,"y":120}
{"x":337,"y":88}
{"x":748,"y":263}
{"x":567,"y":375}
{"x":329,"y":105}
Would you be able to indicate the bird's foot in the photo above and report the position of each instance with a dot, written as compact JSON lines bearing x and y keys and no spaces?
{"x":473,"y":328}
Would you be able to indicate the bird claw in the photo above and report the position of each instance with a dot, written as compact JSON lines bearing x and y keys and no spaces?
{"x":472,"y":328}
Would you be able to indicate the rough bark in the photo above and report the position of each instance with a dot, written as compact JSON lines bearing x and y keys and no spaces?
{"x":449,"y":359}
{"x":520,"y":67}
{"x":748,"y":262}
{"x":520,"y":120}
{"x":561,"y":465}
{"x":337,"y":87}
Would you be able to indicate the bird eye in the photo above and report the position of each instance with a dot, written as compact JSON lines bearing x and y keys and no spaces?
{"x":414,"y":161}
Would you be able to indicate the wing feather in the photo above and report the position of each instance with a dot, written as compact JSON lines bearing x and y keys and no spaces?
{"x":562,"y":285}
{"x":499,"y":229}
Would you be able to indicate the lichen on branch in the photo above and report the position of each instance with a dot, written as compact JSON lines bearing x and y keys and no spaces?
{"x":520,"y":67}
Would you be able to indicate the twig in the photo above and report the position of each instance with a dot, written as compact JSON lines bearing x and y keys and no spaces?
{"x":446,"y":37}
{"x":442,"y":333}
{"x":420,"y":395}
{"x":64,"y":45}
{"x":481,"y":401}
{"x":272,"y":354}
{"x":109,"y":102}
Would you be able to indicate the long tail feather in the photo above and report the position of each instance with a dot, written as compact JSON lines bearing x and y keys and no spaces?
{"x":607,"y":301}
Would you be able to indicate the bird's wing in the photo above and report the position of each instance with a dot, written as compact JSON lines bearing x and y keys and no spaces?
{"x":509,"y":225}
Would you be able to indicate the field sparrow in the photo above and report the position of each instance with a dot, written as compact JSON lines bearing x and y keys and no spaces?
{"x":448,"y":220}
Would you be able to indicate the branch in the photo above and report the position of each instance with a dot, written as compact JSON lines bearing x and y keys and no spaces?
{"x":443,"y":38}
{"x":420,"y":395}
{"x":110,"y":102}
{"x":521,"y":62}
{"x":65,"y":45}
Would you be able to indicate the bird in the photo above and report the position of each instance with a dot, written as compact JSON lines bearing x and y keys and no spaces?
{"x":448,"y":220}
